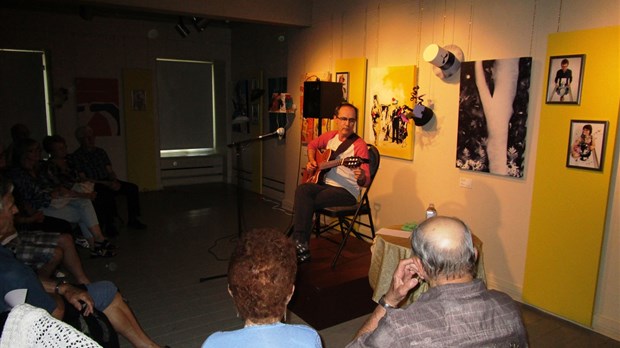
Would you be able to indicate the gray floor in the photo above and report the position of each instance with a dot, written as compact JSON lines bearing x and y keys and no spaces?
{"x":191,"y":231}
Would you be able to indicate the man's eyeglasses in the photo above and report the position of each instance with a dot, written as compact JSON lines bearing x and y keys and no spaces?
{"x":349,"y":120}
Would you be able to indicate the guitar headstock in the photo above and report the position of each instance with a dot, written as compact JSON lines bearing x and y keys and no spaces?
{"x":354,"y":161}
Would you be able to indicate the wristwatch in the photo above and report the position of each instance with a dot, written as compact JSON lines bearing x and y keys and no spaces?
{"x":384,"y":304}
{"x":58,"y":284}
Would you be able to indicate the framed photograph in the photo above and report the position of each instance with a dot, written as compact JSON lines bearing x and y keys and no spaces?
{"x":138,"y":100}
{"x":565,"y":79}
{"x":586,"y":144}
{"x":343,"y":77}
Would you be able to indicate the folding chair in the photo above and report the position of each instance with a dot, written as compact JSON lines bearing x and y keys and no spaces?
{"x":348,"y":216}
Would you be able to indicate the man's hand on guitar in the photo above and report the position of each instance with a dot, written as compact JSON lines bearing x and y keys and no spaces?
{"x":311,"y":166}
{"x":360,"y":175}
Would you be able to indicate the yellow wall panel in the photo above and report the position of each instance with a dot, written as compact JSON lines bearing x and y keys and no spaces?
{"x":356,"y":67}
{"x":142,"y":150}
{"x":569,"y":204}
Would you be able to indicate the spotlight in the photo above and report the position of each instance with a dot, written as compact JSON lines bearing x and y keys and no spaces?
{"x":181,"y":28}
{"x":200,"y":23}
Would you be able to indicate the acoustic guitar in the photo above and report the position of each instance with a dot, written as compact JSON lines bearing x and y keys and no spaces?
{"x":323,"y":163}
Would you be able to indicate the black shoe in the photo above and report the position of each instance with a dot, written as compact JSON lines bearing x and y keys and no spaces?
{"x":136,"y":224}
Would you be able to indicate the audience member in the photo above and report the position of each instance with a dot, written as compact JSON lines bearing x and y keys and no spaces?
{"x":48,"y":294}
{"x":19,"y":132}
{"x":38,"y":221}
{"x":59,"y":172}
{"x":32,"y":327}
{"x":45,"y":251}
{"x":341,"y":185}
{"x":261,"y":277}
{"x":457,"y":310}
{"x":94,"y":165}
{"x":33,"y":195}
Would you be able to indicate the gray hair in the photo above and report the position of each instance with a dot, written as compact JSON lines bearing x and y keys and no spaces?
{"x":439,"y":260}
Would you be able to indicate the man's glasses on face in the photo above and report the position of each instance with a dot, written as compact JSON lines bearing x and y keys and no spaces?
{"x":347,"y":120}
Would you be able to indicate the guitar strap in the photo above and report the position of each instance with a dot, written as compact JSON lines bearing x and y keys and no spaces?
{"x":344,"y":145}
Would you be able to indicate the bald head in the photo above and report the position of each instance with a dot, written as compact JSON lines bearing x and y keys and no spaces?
{"x":445,"y":247}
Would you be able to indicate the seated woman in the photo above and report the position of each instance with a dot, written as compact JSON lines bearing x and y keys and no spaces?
{"x":59,"y":172}
{"x":33,"y":194}
{"x":261,"y":277}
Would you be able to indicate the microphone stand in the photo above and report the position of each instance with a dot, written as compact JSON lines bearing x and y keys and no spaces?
{"x":238,"y":145}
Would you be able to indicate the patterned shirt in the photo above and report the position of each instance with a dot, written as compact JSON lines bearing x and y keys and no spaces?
{"x":59,"y":176}
{"x":29,"y":190}
{"x":91,"y":162}
{"x":451,"y":315}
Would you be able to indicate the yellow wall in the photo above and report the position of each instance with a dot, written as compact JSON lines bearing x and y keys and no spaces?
{"x":356,"y":67}
{"x":142,"y":152}
{"x":569,"y":205}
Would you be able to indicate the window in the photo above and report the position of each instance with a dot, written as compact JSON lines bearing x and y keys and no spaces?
{"x":186,"y":107}
{"x":24,"y":96}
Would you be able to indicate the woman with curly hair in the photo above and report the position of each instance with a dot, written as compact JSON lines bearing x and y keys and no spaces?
{"x":261,"y":277}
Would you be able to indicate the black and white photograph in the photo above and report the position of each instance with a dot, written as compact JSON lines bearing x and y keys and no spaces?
{"x":586,"y":144}
{"x":565,"y":79}
{"x":492,"y":128}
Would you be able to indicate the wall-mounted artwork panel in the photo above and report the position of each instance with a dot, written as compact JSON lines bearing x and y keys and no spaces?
{"x":493,"y":110}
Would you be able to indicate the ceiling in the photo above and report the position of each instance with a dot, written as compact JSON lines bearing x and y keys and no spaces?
{"x":288,"y":12}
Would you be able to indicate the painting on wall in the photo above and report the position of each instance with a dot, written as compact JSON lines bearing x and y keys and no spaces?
{"x":565,"y":79}
{"x":492,"y":127}
{"x":586,"y":144}
{"x":392,"y":129}
{"x":98,"y":106}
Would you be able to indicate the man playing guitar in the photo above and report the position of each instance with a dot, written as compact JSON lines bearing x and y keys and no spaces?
{"x":340,"y":185}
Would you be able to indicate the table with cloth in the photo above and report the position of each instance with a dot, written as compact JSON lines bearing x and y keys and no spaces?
{"x":389,"y":247}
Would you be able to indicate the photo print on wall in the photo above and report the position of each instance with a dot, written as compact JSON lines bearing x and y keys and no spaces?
{"x":492,"y":129}
{"x":390,"y":105}
{"x":586,"y":144}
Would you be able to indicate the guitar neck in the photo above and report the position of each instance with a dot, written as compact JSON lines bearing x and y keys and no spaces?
{"x":330,"y":164}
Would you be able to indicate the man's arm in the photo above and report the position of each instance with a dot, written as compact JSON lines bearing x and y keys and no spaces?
{"x":404,"y":279}
{"x":73,"y":295}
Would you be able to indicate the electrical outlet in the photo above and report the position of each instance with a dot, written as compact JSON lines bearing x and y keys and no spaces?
{"x":465,"y":182}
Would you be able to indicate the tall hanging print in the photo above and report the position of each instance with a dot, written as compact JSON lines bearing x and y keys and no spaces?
{"x":493,"y":101}
{"x":390,"y":105}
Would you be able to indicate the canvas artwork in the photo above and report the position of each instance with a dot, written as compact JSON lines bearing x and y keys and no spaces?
{"x":492,"y":129}
{"x":97,"y":105}
{"x":390,"y":108}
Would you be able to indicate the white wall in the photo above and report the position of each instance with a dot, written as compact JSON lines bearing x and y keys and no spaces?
{"x":391,"y":33}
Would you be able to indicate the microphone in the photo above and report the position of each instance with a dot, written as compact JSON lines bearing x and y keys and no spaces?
{"x":280,"y":132}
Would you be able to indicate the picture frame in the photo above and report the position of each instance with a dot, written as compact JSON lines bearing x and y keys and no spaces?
{"x":138,"y":100}
{"x":343,"y":77}
{"x":565,"y":79}
{"x":586,"y":151}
